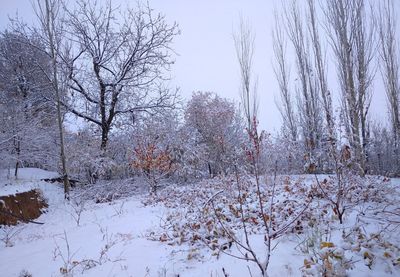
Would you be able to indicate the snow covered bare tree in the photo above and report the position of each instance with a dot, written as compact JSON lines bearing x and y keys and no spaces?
{"x":282,"y":74}
{"x":244,"y":46}
{"x":308,"y":92}
{"x":351,"y":35}
{"x":390,"y":72}
{"x":117,"y":63}
{"x":320,"y":66}
{"x":52,"y":32}
{"x":329,"y":141}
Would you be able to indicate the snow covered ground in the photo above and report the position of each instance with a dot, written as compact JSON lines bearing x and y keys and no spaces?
{"x":117,"y":239}
{"x":27,"y":179}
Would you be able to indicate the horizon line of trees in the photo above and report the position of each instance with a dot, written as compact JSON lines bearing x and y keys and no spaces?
{"x":111,"y":69}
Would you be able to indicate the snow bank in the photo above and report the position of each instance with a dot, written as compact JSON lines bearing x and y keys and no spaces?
{"x":28,"y":179}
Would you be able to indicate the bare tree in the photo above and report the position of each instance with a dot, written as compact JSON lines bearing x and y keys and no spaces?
{"x":47,"y":14}
{"x":117,"y":63}
{"x":352,"y":40}
{"x":308,"y":90}
{"x":320,"y":66}
{"x":244,"y":45}
{"x":282,"y":74}
{"x":390,"y":70}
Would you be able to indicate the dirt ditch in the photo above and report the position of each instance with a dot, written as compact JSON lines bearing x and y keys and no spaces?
{"x":21,"y":207}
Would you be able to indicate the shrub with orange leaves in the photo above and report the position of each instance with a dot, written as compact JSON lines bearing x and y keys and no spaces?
{"x":154,"y":162}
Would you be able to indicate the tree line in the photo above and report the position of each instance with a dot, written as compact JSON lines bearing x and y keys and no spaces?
{"x":110,"y":67}
{"x":358,"y":38}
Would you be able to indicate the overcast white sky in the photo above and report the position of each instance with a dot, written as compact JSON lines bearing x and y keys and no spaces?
{"x":207,"y":59}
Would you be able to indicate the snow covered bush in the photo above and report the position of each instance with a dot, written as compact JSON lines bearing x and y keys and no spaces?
{"x":27,"y":113}
{"x":85,"y":161}
{"x":155,"y":163}
{"x":327,"y":260}
{"x":155,"y":148}
{"x":212,"y":213}
{"x":345,"y":191}
{"x":218,"y":132}
{"x":323,"y":257}
{"x":107,"y":191}
{"x":383,"y":152}
{"x":25,"y":273}
{"x":230,"y":210}
{"x":286,"y":153}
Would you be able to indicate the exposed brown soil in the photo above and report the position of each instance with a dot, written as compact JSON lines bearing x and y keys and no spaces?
{"x":21,"y":207}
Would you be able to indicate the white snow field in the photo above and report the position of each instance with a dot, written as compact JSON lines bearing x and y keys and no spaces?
{"x":124,"y":237}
